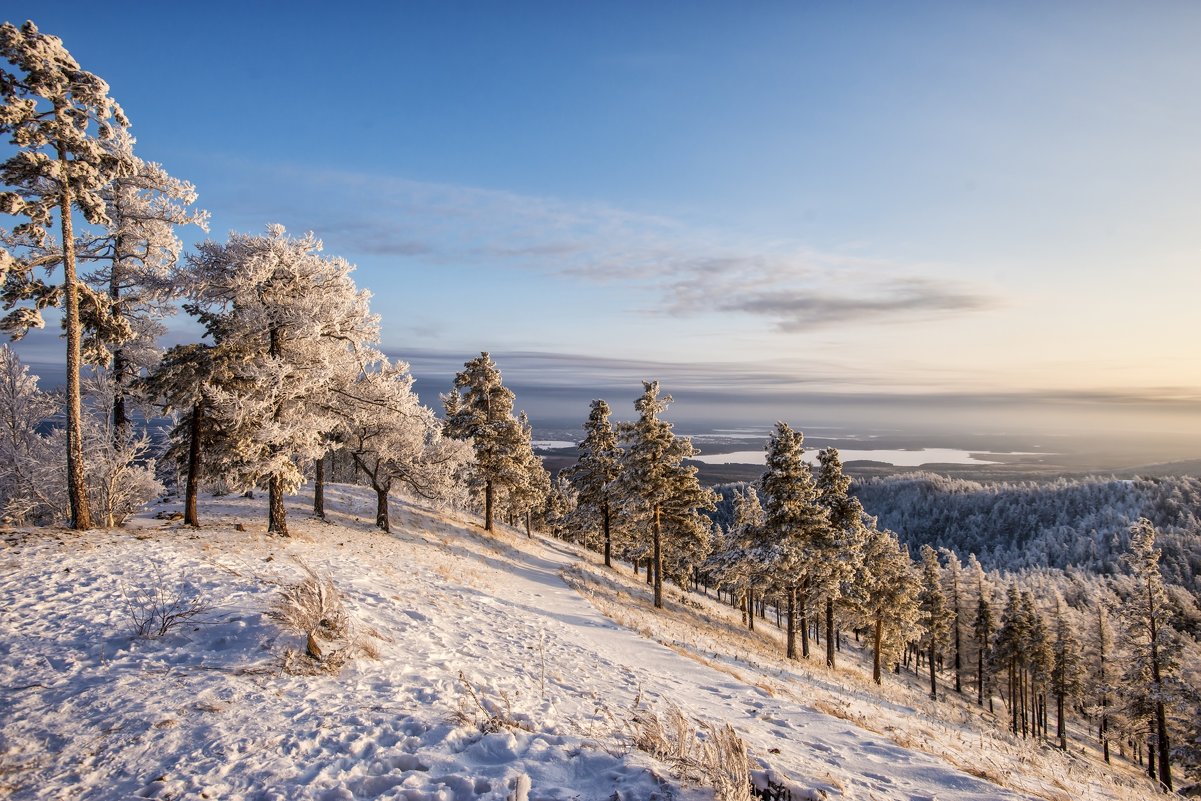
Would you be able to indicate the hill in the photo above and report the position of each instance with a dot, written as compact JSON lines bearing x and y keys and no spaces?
{"x":477,"y":667}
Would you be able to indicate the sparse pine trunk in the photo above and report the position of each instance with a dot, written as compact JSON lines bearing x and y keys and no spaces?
{"x":933,"y":674}
{"x":528,"y":532}
{"x":1060,"y":729}
{"x":830,"y":643}
{"x":658,"y":559}
{"x":750,"y":607}
{"x":77,"y":492}
{"x":120,"y":364}
{"x":877,"y":641}
{"x":190,"y":517}
{"x":800,"y":603}
{"x":790,"y":647}
{"x":319,"y":488}
{"x":277,"y":520}
{"x":1103,"y":727}
{"x":488,"y":505}
{"x":608,"y":536}
{"x":958,"y":658}
{"x":381,"y":509}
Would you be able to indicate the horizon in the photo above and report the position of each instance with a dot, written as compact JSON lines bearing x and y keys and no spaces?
{"x":941,"y":218}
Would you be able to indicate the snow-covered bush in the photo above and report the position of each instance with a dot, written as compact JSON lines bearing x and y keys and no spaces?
{"x":702,"y":751}
{"x":313,"y":608}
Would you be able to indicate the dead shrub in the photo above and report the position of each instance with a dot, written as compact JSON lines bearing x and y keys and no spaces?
{"x":702,"y":751}
{"x":158,"y":608}
{"x":313,"y":608}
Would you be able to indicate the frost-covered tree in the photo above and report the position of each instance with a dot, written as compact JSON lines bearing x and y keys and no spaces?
{"x":1151,"y":645}
{"x":844,"y":548}
{"x":529,"y":485}
{"x":138,"y":253}
{"x":983,"y":629}
{"x":1009,"y":649}
{"x":290,"y":327}
{"x":23,"y":407}
{"x":934,"y":611}
{"x":58,"y":117}
{"x":181,"y":386}
{"x":885,"y":596}
{"x":732,"y":563}
{"x":795,"y":538}
{"x":480,"y":409}
{"x":595,"y":474}
{"x":120,"y":472}
{"x":660,"y":495}
{"x":1065,"y":668}
{"x":393,"y":439}
{"x":953,"y":589}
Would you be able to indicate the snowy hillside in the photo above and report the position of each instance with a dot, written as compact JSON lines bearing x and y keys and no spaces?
{"x":485,"y":668}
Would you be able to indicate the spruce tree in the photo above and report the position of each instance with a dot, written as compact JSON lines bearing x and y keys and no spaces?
{"x":845,"y":543}
{"x":1151,"y":645}
{"x":661,"y":494}
{"x":595,"y":474}
{"x":480,"y":409}
{"x":934,"y":609}
{"x":795,"y":538}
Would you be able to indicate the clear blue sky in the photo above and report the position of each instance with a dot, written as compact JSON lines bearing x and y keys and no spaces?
{"x":997,"y":203}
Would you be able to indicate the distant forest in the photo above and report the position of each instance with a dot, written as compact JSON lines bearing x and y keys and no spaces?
{"x":1068,"y":523}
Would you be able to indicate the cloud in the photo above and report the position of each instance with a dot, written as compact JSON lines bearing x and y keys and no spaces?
{"x":667,"y":267}
{"x":911,"y":299}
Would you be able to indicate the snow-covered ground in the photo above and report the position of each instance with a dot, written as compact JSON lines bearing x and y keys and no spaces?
{"x":558,"y":652}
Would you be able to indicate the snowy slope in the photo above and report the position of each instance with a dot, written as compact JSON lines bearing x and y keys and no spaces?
{"x":465,"y":625}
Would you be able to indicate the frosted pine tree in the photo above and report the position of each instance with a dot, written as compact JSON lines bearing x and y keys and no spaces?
{"x":528,"y":486}
{"x":595,"y":474}
{"x":845,"y":544}
{"x":58,"y":117}
{"x":794,"y":543}
{"x":394,"y":440}
{"x":290,"y":327}
{"x":660,"y":494}
{"x":884,"y":597}
{"x":732,"y":563}
{"x":936,"y":616}
{"x":1151,"y":647}
{"x":1065,"y":668}
{"x":983,"y":629}
{"x":954,"y":590}
{"x":1008,"y":651}
{"x":480,"y":409}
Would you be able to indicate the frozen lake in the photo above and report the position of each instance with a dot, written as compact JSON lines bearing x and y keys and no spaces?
{"x":896,"y":458}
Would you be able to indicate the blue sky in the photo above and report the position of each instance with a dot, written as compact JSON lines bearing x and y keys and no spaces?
{"x":993,"y":203}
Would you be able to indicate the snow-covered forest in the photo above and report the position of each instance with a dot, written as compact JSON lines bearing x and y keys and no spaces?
{"x":1044,"y":617}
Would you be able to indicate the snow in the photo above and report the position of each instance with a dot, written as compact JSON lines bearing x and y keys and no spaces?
{"x":467,"y":626}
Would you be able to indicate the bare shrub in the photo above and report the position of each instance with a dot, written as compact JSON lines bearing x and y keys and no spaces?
{"x":313,"y":608}
{"x":703,"y":752}
{"x":485,"y":714}
{"x":158,"y":608}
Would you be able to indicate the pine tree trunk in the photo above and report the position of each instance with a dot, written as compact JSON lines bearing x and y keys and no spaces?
{"x":488,"y":505}
{"x":319,"y":488}
{"x":77,"y":491}
{"x":877,"y":641}
{"x":1161,"y":741}
{"x":980,"y":677}
{"x":1060,"y":729}
{"x":750,"y":606}
{"x":958,"y":660}
{"x":800,"y":604}
{"x":381,"y":510}
{"x":830,"y":633}
{"x":120,"y":365}
{"x":528,"y":533}
{"x":933,"y":675}
{"x":790,"y":647}
{"x":277,"y":517}
{"x":658,"y":559}
{"x":190,"y":517}
{"x":608,"y":537}
{"x":1151,"y":753}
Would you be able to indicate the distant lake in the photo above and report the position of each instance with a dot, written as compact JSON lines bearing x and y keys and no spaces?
{"x":896,"y":458}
